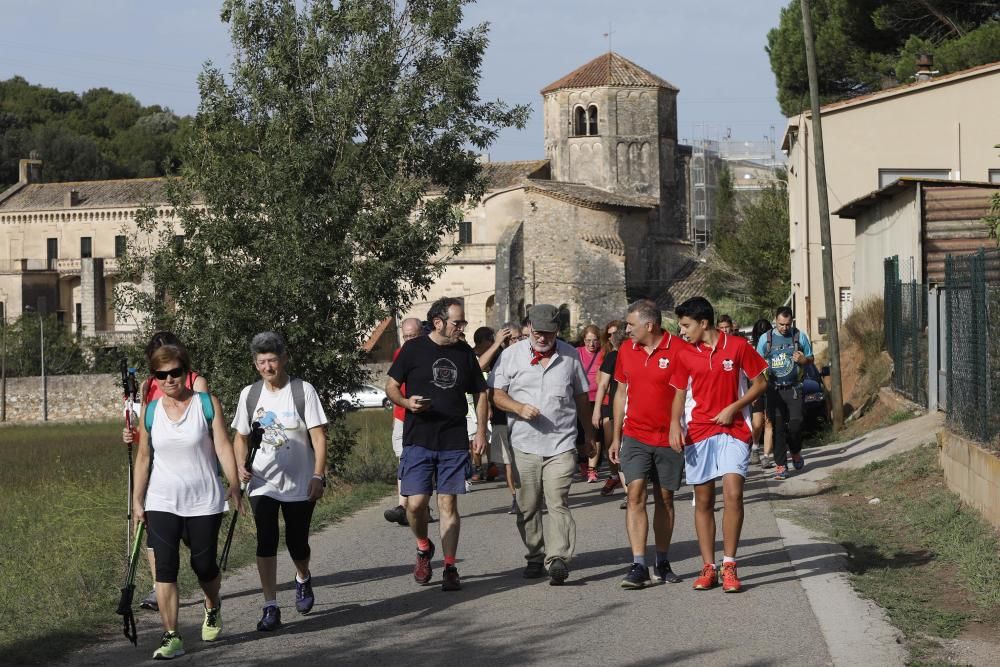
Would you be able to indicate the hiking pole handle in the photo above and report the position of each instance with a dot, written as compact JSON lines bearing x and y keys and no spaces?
{"x":256,"y":436}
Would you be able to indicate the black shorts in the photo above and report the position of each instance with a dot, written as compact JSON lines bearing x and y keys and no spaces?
{"x":606,"y":411}
{"x":760,"y":405}
{"x":660,"y":465}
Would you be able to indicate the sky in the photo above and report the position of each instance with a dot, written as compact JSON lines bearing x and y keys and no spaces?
{"x":712,"y":50}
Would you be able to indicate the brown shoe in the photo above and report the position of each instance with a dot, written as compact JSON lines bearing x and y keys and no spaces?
{"x":422,"y":569}
{"x":450,"y":580}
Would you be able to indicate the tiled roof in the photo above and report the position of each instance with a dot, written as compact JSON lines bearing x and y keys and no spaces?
{"x":612,"y":244}
{"x":609,"y":69}
{"x":505,"y":175}
{"x":585,"y":195}
{"x":92,"y":194}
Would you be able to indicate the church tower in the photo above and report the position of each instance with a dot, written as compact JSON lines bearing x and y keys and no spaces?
{"x":612,"y":125}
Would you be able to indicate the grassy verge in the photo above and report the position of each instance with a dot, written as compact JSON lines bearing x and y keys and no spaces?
{"x":62,"y":531}
{"x":930,"y":562}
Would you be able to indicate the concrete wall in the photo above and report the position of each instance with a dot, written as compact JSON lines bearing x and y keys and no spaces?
{"x":972,"y":472}
{"x":888,"y":228}
{"x":941,"y":125}
{"x":72,"y":398}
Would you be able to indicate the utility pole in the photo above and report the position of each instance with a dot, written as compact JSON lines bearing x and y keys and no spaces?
{"x":829,"y":289}
{"x":45,"y":380}
{"x":533,"y":283}
{"x":3,"y":360}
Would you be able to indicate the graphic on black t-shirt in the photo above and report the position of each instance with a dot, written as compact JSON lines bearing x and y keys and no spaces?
{"x":445,"y":373}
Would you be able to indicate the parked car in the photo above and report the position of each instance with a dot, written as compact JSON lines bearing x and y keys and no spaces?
{"x":365,"y":396}
{"x":816,"y":407}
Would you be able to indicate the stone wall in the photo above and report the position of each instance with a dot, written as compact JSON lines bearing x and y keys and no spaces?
{"x":72,"y":398}
{"x":972,"y":472}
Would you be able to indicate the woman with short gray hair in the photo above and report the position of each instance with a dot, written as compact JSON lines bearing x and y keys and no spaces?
{"x":289,"y":469}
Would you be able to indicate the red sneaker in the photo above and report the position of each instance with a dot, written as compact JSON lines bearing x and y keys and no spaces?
{"x":708,"y":578}
{"x":730,"y":582}
{"x":610,"y":485}
{"x":422,"y":569}
{"x":583,"y":470}
{"x":492,"y":472}
{"x":592,"y":476}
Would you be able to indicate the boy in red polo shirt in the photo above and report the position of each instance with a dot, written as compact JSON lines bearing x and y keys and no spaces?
{"x":717,"y":377}
{"x":641,"y":441}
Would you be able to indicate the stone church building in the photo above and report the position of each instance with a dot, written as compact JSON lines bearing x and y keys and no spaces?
{"x":601,"y":221}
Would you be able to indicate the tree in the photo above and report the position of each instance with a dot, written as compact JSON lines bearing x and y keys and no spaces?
{"x":866,"y":45}
{"x":318,"y":183}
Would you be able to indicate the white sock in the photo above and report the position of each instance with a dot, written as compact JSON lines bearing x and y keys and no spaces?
{"x":728,"y":559}
{"x":302,"y":581}
{"x":270,"y":603}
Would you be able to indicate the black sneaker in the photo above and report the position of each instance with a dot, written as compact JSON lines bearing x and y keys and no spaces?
{"x":514,"y":509}
{"x":270,"y":620}
{"x":450,"y":580}
{"x":534,"y":570}
{"x":396,"y":515}
{"x":304,"y":597}
{"x":149,"y":602}
{"x":637,"y":577}
{"x":558,"y":572}
{"x":662,"y":574}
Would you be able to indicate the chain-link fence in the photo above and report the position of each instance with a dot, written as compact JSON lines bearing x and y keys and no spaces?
{"x":972,"y":284}
{"x":906,"y":332}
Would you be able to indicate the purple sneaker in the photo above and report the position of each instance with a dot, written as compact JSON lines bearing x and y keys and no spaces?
{"x":304,"y":596}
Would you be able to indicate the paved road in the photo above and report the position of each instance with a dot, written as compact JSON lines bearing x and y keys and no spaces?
{"x":369,"y":610}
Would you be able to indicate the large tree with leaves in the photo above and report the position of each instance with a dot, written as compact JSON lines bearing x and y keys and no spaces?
{"x":320,"y":178}
{"x":866,"y":45}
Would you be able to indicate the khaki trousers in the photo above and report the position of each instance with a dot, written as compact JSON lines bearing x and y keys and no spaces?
{"x":549,"y":477}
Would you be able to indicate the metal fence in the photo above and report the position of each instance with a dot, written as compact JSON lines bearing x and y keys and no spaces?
{"x":972,"y":293}
{"x":906,"y":332}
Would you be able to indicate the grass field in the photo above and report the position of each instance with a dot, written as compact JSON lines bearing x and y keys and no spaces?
{"x":62,"y":531}
{"x":931,"y":562}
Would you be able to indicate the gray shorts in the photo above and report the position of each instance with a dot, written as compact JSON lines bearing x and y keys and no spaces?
{"x":500,"y":451}
{"x":660,"y":465}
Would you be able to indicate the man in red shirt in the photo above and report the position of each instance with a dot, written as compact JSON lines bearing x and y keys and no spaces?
{"x":641,"y":440}
{"x":717,"y":377}
{"x":409,"y":329}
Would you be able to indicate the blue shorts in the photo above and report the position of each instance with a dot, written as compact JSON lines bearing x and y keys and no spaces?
{"x":714,"y":457}
{"x":419,"y":467}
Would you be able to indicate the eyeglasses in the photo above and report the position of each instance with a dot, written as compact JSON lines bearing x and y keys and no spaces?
{"x":458,"y":324}
{"x":173,"y":372}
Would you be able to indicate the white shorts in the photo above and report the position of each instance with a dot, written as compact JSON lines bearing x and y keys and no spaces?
{"x":471,"y":422}
{"x":714,"y":457}
{"x":397,"y":437}
{"x":500,"y":450}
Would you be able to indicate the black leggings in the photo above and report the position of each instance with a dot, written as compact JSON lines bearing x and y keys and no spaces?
{"x":165,"y":532}
{"x":784,"y":409}
{"x":297,"y":517}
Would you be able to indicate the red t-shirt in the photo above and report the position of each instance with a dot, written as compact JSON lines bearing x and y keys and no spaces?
{"x":715,"y":378}
{"x":649,"y":396}
{"x":399,"y":412}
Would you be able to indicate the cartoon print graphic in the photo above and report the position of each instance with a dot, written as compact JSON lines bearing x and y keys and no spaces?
{"x":445,"y":374}
{"x":274,"y":431}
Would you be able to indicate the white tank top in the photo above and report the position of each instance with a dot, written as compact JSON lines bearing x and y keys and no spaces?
{"x":184,"y":480}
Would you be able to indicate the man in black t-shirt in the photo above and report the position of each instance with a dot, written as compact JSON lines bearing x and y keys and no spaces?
{"x":438,"y":370}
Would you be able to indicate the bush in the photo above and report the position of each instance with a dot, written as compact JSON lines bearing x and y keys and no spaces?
{"x":865,"y":328}
{"x":371,"y":458}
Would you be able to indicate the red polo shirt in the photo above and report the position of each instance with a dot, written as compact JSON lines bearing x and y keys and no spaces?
{"x":648,"y":394}
{"x":715,"y":378}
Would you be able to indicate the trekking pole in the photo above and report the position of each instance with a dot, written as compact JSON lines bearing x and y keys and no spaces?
{"x":130,"y":391}
{"x":128,"y":589}
{"x":256,"y":435}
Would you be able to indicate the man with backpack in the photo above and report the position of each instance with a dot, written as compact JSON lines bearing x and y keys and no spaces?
{"x":787,"y":351}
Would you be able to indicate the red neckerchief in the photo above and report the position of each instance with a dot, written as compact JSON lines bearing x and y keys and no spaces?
{"x":537,"y":356}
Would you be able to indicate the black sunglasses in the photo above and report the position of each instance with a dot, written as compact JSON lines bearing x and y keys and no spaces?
{"x":173,"y":372}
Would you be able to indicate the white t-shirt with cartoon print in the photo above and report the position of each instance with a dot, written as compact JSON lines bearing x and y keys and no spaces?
{"x":285,"y":462}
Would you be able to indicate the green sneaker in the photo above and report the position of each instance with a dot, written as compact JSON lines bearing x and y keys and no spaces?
{"x":171,"y":647}
{"x":212,"y":627}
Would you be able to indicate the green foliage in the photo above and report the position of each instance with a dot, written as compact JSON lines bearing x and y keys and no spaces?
{"x":97,"y":135}
{"x":752,"y":251}
{"x":866,"y":45}
{"x":372,"y":458}
{"x":302,"y":196}
{"x":992,"y":219}
{"x":64,"y":354}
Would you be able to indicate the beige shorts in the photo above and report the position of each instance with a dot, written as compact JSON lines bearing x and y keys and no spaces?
{"x":500,"y":445}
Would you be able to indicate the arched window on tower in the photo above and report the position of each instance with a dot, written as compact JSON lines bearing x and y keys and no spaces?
{"x":579,"y":122}
{"x":592,"y":120}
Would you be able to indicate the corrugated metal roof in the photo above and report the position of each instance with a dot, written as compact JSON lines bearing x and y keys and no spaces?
{"x":609,"y":69}
{"x":852,"y":209}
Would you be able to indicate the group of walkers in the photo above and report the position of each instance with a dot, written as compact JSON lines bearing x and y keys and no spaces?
{"x":663,"y":407}
{"x":183,"y":443}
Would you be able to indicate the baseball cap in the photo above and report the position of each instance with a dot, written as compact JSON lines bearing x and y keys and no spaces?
{"x":544,"y":317}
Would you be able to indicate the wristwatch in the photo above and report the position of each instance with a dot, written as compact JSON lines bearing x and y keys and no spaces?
{"x":321,"y":478}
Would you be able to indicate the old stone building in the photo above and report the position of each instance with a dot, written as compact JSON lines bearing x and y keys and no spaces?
{"x":601,"y":220}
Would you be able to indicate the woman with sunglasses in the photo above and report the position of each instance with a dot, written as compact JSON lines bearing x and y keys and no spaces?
{"x":180,"y":496}
{"x":150,"y":391}
{"x":591,"y":355}
{"x":602,"y":419}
